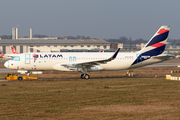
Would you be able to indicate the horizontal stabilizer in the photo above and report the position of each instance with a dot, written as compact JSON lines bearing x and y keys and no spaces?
{"x":163,"y":57}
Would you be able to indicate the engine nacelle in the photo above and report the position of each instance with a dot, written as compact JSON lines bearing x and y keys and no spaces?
{"x":95,"y":68}
{"x":61,"y":68}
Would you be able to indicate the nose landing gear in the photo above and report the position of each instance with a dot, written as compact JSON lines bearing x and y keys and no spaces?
{"x":28,"y":73}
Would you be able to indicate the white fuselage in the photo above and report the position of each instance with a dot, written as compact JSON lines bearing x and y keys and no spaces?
{"x":53,"y":61}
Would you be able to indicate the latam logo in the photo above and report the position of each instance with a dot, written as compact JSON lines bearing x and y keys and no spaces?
{"x":35,"y":56}
{"x":47,"y":56}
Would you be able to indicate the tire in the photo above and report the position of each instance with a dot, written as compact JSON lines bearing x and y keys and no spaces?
{"x":87,"y":76}
{"x":82,"y":76}
{"x":20,"y":78}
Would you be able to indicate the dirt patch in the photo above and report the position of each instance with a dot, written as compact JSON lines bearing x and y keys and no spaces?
{"x":129,"y":108}
{"x":123,"y":86}
{"x":3,"y":85}
{"x":106,"y":87}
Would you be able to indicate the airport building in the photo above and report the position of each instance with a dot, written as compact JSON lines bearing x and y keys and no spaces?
{"x":50,"y":44}
{"x":56,"y":45}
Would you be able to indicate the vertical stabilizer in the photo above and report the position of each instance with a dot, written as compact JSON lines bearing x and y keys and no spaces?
{"x":14,"y":51}
{"x":157,"y":43}
{"x":155,"y":46}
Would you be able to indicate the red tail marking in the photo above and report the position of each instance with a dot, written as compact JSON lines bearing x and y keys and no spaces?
{"x":14,"y":51}
{"x":162,"y":31}
{"x":158,"y":45}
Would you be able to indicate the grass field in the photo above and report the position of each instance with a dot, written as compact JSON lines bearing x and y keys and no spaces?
{"x":123,"y":98}
{"x":108,"y":95}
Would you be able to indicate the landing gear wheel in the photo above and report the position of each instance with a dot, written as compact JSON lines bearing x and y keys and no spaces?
{"x":28,"y":74}
{"x":20,"y":78}
{"x":82,"y":76}
{"x":87,"y":76}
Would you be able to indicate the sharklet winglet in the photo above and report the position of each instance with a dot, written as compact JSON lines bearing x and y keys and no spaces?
{"x":115,"y":54}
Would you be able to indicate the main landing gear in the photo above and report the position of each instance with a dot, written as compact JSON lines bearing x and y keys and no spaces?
{"x":85,"y":76}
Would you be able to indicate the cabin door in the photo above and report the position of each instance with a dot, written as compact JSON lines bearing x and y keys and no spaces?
{"x":27,"y":58}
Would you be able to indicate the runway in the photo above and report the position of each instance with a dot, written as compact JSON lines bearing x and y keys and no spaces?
{"x":166,"y":64}
{"x":5,"y":70}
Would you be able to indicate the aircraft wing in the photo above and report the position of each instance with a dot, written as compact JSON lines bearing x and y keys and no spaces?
{"x":9,"y":55}
{"x":91,"y":63}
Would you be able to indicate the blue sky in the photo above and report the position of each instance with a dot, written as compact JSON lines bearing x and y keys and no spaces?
{"x":95,"y":18}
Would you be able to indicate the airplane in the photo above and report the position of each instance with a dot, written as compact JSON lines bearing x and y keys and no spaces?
{"x":93,"y":61}
{"x":1,"y":54}
{"x":5,"y":57}
{"x":13,"y":50}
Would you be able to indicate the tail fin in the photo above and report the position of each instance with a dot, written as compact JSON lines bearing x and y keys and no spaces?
{"x":157,"y":43}
{"x":14,"y":51}
{"x":1,"y":54}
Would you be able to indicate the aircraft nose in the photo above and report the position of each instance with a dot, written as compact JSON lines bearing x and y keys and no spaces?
{"x":6,"y":64}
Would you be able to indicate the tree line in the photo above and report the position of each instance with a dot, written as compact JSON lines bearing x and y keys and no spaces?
{"x":126,"y":40}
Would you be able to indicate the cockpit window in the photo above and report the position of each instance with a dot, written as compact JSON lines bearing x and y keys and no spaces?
{"x":15,"y":58}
